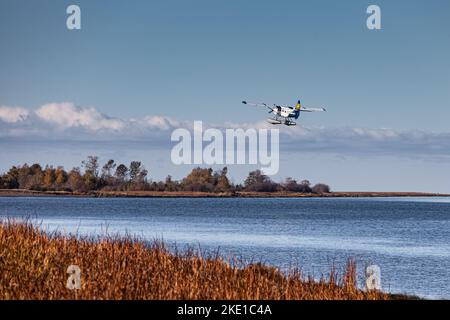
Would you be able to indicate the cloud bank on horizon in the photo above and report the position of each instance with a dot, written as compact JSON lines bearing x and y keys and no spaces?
{"x":59,"y":121}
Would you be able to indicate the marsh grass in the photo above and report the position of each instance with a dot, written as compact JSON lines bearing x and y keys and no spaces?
{"x":33,"y":265}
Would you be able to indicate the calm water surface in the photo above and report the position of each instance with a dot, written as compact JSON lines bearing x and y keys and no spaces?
{"x":409,"y":238}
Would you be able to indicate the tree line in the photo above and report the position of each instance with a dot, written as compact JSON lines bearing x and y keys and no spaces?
{"x":134,"y":177}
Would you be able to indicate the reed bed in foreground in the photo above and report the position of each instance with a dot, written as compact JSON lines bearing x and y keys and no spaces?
{"x":33,"y":265}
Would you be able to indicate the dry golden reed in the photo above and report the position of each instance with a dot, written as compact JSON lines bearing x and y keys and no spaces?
{"x":33,"y":265}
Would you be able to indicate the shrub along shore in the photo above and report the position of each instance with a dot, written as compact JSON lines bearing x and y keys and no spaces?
{"x":135,"y":177}
{"x":120,"y":180}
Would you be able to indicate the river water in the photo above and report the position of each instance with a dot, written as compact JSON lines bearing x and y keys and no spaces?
{"x":408,"y":238}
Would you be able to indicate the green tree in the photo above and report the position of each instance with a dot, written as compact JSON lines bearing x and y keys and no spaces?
{"x":107,"y":169}
{"x":259,"y":182}
{"x":199,"y":180}
{"x":91,"y":166}
{"x":49,"y":177}
{"x":254,"y":178}
{"x":121,"y":172}
{"x":90,"y":176}
{"x":223,"y":184}
{"x":321,"y":188}
{"x":169,"y":184}
{"x":292,"y":186}
{"x":61,"y":177}
{"x":137,"y":171}
{"x":75,"y":180}
{"x":11,"y":178}
{"x":32,"y":177}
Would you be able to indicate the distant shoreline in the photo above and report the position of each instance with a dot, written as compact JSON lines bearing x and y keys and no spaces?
{"x":189,"y":194}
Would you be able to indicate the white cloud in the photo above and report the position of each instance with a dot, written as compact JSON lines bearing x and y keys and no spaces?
{"x":13,"y":114}
{"x":67,"y":115}
{"x":161,"y":123}
{"x":67,"y":121}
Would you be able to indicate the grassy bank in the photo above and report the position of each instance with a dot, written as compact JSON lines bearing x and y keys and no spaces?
{"x":33,"y":265}
{"x":193,"y":194}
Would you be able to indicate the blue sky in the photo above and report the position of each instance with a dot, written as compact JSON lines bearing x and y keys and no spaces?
{"x":196,"y":60}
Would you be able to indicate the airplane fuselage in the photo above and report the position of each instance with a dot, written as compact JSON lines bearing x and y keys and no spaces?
{"x":285,"y":112}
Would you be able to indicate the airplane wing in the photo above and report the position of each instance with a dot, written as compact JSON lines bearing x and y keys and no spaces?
{"x":255,"y":104}
{"x":312,"y":109}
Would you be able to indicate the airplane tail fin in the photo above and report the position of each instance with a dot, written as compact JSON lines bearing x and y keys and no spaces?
{"x":298,"y":106}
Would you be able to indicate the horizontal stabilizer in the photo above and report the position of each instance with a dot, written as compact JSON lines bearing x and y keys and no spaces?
{"x":313,"y":109}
